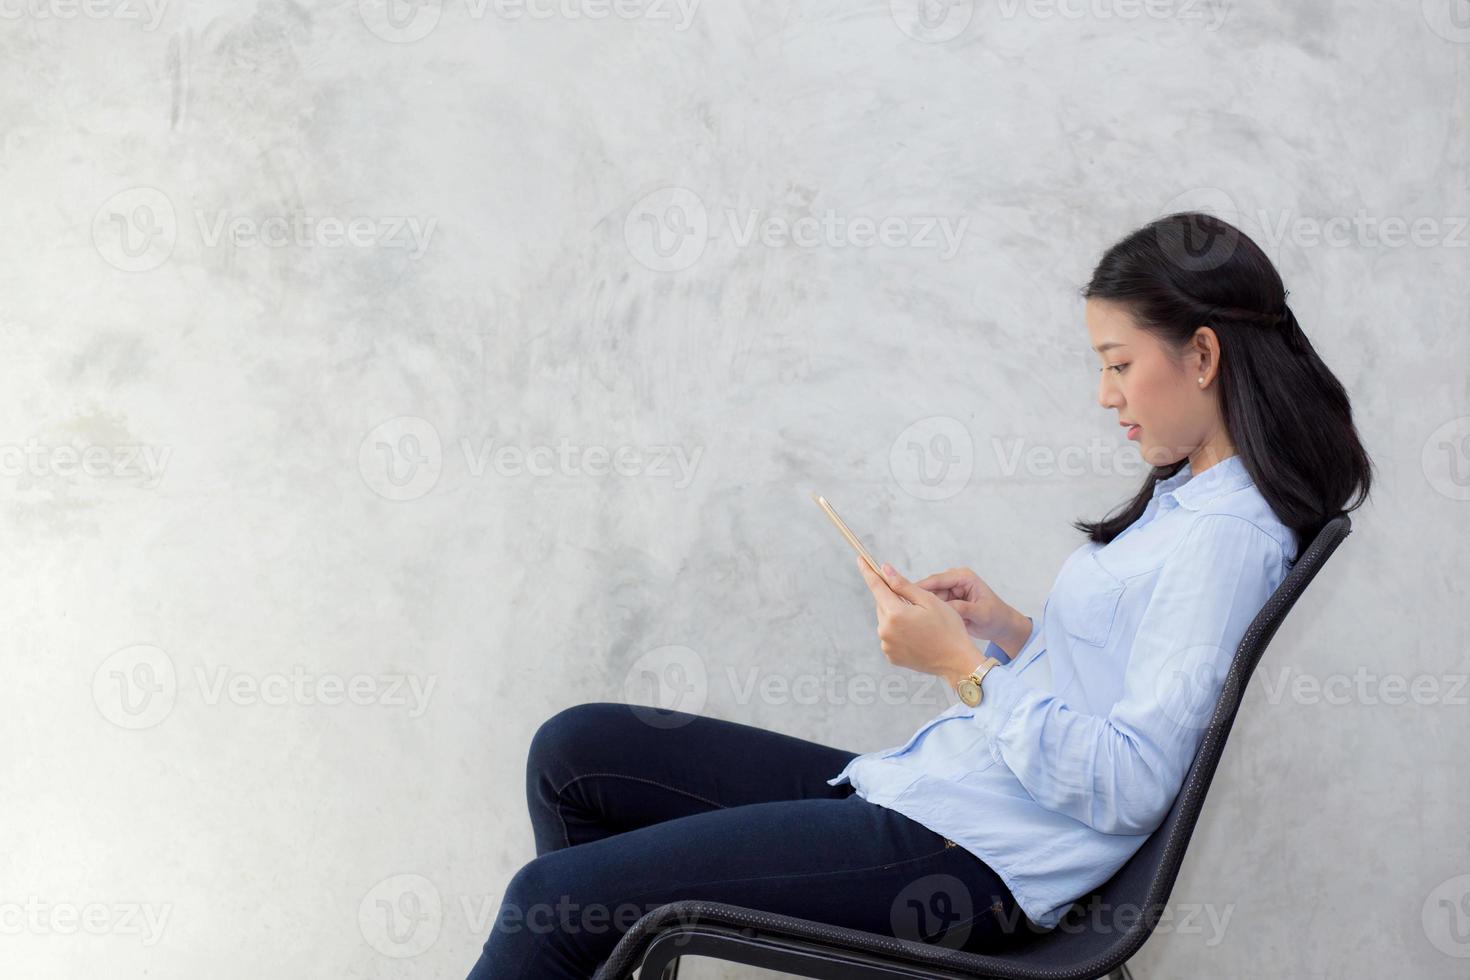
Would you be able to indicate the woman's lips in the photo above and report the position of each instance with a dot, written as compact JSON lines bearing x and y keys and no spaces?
{"x":1133,"y":432}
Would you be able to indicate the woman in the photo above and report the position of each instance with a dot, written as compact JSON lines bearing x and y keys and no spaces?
{"x":998,"y":815}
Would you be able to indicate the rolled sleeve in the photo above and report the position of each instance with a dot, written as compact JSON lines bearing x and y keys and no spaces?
{"x":1003,"y":691}
{"x":1119,"y":774}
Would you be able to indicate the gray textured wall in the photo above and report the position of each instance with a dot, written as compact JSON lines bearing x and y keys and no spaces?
{"x":280,"y":280}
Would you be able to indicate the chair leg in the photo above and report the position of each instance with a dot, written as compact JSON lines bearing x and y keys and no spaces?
{"x":1121,"y":973}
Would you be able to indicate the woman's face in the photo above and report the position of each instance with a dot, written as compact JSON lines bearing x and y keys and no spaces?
{"x":1150,"y":387}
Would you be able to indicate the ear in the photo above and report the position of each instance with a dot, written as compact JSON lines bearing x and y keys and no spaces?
{"x":1204,"y":352}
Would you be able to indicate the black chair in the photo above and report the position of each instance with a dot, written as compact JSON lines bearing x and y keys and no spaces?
{"x":1071,"y":951}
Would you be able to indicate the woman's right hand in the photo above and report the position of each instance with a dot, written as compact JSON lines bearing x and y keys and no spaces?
{"x":985,"y":614}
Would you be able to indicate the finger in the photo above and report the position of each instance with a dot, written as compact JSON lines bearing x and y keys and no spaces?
{"x":902,"y":587}
{"x":883,"y":593}
{"x":949,"y":579}
{"x":928,"y":586}
{"x":965,"y":608}
{"x":875,"y":584}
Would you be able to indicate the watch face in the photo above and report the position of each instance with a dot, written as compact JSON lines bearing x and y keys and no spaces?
{"x":969,"y":692}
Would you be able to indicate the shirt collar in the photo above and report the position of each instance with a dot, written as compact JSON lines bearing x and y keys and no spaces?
{"x":1196,"y":491}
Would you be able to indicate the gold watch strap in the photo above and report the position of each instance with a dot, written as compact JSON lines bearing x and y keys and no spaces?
{"x":973,"y":679}
{"x":979,"y":672}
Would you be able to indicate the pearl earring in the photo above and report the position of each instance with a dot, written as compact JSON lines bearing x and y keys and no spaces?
{"x":1201,"y":380}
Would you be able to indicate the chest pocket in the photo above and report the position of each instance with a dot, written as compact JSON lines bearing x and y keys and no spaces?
{"x":1091,"y":603}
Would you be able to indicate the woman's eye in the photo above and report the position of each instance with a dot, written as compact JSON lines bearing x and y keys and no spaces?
{"x":1117,"y":367}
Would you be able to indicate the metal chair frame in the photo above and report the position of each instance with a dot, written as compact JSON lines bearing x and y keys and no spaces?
{"x":807,"y":948}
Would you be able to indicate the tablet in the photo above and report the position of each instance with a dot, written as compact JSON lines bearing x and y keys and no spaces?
{"x":851,"y":538}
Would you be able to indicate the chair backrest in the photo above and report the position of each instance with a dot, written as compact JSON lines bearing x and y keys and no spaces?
{"x":1131,"y":903}
{"x":1127,"y":906}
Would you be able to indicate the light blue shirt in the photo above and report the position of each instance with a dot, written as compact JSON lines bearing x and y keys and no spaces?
{"x":1055,"y":781}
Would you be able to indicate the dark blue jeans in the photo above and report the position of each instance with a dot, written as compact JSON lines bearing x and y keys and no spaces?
{"x":634,"y":807}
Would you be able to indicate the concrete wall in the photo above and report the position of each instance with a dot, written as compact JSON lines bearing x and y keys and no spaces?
{"x":278,"y":281}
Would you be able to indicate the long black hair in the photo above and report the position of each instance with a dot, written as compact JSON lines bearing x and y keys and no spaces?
{"x":1287,"y":414}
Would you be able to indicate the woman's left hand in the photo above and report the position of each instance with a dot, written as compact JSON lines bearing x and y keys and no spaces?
{"x":922,"y":634}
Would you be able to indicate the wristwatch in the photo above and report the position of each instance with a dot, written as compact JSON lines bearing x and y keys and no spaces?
{"x":969,"y":689}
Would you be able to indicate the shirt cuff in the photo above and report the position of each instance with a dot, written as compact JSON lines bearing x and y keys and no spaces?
{"x":1002,"y":691}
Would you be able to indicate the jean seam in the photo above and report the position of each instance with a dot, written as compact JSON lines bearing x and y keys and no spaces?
{"x":566,"y":834}
{"x":814,"y":874}
{"x":990,"y":909}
